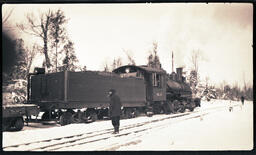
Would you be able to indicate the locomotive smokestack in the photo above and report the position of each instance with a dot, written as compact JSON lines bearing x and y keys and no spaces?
{"x":179,"y":74}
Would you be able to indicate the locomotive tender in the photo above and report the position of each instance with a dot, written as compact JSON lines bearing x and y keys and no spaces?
{"x":142,"y":89}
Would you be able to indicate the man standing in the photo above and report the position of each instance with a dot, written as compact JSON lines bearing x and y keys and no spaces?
{"x":114,"y":110}
{"x":242,"y":99}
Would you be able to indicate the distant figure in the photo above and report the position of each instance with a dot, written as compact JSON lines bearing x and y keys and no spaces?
{"x":230,"y":107}
{"x":197,"y":102}
{"x":242,"y":99}
{"x":114,"y":110}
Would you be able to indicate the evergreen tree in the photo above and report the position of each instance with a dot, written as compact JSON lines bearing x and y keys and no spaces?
{"x":193,"y":81}
{"x":153,"y":58}
{"x":70,"y":60}
{"x":57,"y":32}
{"x":194,"y":72}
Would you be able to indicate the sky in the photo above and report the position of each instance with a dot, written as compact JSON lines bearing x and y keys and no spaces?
{"x":222,"y":33}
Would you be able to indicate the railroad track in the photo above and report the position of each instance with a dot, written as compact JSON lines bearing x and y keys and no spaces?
{"x":136,"y":130}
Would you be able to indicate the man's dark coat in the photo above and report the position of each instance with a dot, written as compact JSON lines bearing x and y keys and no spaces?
{"x":115,"y":106}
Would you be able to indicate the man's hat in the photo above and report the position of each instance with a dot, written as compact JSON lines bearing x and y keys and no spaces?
{"x":112,"y":90}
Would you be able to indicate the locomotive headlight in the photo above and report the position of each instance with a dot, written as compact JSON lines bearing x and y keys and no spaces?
{"x":127,"y":70}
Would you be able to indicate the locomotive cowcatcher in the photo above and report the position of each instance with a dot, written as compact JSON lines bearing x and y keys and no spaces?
{"x":82,"y":96}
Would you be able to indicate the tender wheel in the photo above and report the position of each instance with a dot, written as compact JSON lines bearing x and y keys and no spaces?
{"x":66,"y":118}
{"x":78,"y":117}
{"x":91,"y":114}
{"x":176,"y":105}
{"x":100,"y":114}
{"x":171,"y":107}
{"x":149,"y":111}
{"x":182,"y":109}
{"x":136,"y":112}
{"x":128,"y":113}
{"x":100,"y":117}
{"x":94,"y":116}
{"x":191,"y":109}
{"x":18,"y":124}
{"x":45,"y":116}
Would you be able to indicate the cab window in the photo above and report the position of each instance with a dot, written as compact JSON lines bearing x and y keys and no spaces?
{"x":156,"y":80}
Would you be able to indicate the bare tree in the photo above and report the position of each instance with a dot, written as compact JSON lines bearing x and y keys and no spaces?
{"x":193,"y":81}
{"x":236,"y":91}
{"x":207,"y":81}
{"x":247,"y":90}
{"x":195,"y":59}
{"x":116,"y":63}
{"x":245,"y":85}
{"x":106,"y":68}
{"x":30,"y":55}
{"x":39,"y":29}
{"x":156,"y":58}
{"x":6,"y":16}
{"x":113,"y":64}
{"x":150,"y":59}
{"x":194,"y":72}
{"x":130,"y":57}
{"x":6,"y":26}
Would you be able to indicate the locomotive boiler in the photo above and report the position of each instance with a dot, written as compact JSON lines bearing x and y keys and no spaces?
{"x":82,"y":96}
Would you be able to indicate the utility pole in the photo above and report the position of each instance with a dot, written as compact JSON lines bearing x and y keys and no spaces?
{"x":172,"y":62}
{"x":56,"y":59}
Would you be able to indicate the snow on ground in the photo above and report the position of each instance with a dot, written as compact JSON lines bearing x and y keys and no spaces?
{"x":222,"y":130}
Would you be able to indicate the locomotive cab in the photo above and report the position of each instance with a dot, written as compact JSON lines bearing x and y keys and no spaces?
{"x":155,"y":80}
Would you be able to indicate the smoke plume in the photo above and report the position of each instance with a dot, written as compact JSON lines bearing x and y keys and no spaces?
{"x":9,"y":53}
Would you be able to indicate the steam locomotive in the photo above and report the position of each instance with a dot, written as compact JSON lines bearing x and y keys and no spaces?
{"x":82,"y":96}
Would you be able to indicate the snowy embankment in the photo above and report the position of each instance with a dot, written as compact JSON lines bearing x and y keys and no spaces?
{"x":219,"y":130}
{"x":222,"y":130}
